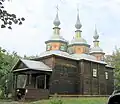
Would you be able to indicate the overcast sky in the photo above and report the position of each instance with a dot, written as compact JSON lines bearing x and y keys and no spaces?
{"x":29,"y":38}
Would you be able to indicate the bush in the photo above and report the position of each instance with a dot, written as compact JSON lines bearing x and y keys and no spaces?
{"x":56,"y":101}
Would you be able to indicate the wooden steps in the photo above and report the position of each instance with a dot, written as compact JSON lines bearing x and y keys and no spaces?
{"x":37,"y":94}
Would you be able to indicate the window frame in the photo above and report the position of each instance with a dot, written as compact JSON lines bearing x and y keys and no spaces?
{"x":106,"y":76}
{"x":94,"y":73}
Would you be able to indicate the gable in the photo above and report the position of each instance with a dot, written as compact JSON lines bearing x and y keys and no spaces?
{"x":19,"y":65}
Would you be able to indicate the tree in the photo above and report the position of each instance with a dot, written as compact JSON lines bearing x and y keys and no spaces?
{"x":7,"y":18}
{"x":114,"y":60}
{"x":116,"y":64}
{"x":109,"y":59}
{"x":7,"y":61}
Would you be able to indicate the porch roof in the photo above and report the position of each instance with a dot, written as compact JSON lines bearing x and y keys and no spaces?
{"x":33,"y":65}
{"x":28,"y":69}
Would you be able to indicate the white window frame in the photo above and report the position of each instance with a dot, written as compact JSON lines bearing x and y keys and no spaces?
{"x":106,"y":75}
{"x":94,"y":72}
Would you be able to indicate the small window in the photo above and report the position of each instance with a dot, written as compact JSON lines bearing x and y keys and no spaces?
{"x":48,"y":47}
{"x":94,"y":72}
{"x":106,"y":75}
{"x":62,"y":48}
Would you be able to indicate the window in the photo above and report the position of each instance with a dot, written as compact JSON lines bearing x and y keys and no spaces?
{"x":48,"y":47}
{"x":94,"y":72}
{"x":62,"y":48}
{"x":106,"y":75}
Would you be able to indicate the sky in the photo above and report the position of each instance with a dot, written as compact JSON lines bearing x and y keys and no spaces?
{"x":28,"y":39}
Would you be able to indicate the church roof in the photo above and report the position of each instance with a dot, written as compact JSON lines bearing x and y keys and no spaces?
{"x":71,"y":56}
{"x":85,"y":56}
{"x":96,"y":50}
{"x":78,"y":41}
{"x":56,"y":52}
{"x":57,"y":38}
{"x":35,"y":65}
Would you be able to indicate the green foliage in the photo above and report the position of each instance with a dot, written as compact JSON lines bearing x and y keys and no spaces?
{"x":7,"y":61}
{"x":116,"y":64}
{"x":114,"y":60}
{"x":56,"y":101}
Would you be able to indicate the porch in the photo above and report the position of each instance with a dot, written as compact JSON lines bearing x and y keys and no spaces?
{"x":31,"y":83}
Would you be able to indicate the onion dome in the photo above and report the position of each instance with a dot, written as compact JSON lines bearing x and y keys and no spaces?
{"x":78,"y":24}
{"x":96,"y":36}
{"x":56,"y":22}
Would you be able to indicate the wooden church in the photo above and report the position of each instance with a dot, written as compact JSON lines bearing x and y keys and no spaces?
{"x":67,"y":68}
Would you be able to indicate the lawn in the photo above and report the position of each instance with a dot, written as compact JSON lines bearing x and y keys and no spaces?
{"x":87,"y":100}
{"x":84,"y":100}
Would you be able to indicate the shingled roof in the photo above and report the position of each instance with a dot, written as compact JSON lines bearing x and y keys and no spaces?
{"x":34,"y":65}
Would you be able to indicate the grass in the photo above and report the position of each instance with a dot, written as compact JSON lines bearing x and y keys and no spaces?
{"x":97,"y":100}
{"x":82,"y":100}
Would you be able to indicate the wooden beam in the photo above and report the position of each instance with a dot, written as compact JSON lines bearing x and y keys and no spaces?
{"x":45,"y":82}
{"x":91,"y":76}
{"x":30,"y":77}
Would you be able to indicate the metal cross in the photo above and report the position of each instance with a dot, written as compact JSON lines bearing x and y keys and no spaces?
{"x":57,"y":8}
{"x":78,"y":8}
